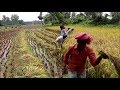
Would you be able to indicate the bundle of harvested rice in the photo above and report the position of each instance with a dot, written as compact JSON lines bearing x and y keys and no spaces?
{"x":115,"y":61}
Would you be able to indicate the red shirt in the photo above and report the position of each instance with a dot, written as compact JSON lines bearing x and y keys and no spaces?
{"x":76,"y":61}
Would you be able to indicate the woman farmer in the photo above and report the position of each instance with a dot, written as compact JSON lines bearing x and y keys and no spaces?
{"x":63,"y":31}
{"x":76,"y":56}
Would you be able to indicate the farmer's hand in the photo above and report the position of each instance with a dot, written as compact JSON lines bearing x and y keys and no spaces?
{"x":103,"y":55}
{"x":65,"y":65}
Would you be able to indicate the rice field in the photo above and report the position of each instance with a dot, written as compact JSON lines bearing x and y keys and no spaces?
{"x":106,"y":39}
{"x":34,"y":54}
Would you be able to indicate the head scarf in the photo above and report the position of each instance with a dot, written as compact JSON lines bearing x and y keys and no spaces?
{"x":84,"y":36}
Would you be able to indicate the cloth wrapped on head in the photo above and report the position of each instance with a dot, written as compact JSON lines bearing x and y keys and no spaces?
{"x":84,"y":36}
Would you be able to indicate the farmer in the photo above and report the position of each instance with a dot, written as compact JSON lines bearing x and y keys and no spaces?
{"x":63,"y":31}
{"x":76,"y":55}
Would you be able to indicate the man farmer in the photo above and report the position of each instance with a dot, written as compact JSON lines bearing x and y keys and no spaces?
{"x":76,"y":55}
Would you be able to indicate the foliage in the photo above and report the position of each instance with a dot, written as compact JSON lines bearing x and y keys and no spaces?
{"x":14,"y":20}
{"x":93,"y":18}
{"x":115,"y":17}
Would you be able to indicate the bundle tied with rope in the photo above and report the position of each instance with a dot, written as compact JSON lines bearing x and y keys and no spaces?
{"x":114,"y":60}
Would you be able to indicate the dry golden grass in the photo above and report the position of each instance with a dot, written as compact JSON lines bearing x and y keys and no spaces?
{"x":23,"y":63}
{"x":105,"y":39}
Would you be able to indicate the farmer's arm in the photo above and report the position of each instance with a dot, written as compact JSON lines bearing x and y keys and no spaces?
{"x":66,"y":56}
{"x":65,"y":32}
{"x":92,"y":57}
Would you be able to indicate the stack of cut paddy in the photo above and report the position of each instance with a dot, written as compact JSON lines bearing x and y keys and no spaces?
{"x":45,"y":47}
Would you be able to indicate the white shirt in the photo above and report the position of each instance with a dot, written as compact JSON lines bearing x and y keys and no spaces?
{"x":63,"y":32}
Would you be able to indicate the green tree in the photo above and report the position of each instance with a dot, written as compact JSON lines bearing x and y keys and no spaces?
{"x":47,"y":18}
{"x":8,"y":21}
{"x":15,"y":19}
{"x":4,"y":20}
{"x":67,"y":15}
{"x":73,"y":15}
{"x":88,"y":15}
{"x":0,"y":22}
{"x":57,"y":17}
{"x":115,"y":17}
{"x":78,"y":18}
{"x":105,"y":19}
{"x":95,"y":17}
{"x":21,"y":22}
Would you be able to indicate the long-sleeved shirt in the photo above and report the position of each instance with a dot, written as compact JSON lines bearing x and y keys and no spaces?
{"x":76,"y":61}
{"x":63,"y":32}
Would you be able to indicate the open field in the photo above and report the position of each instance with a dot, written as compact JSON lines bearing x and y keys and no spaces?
{"x":33,"y":53}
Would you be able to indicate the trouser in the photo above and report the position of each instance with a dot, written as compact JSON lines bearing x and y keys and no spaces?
{"x":64,"y":36}
{"x":75,"y":75}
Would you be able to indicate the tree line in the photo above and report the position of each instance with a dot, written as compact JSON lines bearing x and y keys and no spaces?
{"x":94,"y":18}
{"x":56,"y":18}
{"x":13,"y":20}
